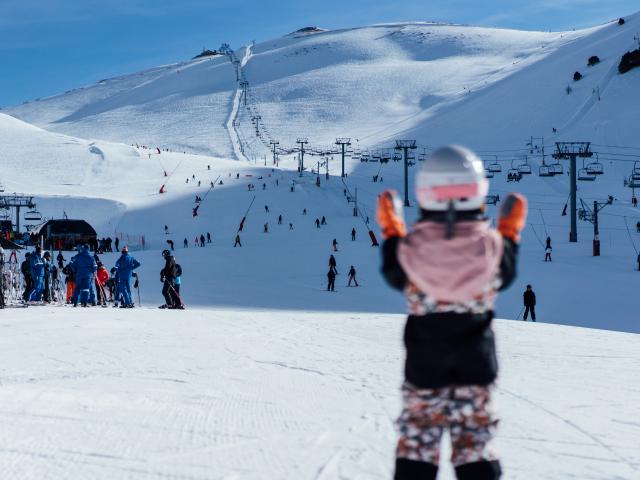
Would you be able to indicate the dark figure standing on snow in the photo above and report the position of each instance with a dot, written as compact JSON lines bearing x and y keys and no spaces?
{"x":331,"y":280}
{"x":168,"y":277}
{"x":352,"y":276}
{"x":170,"y":243}
{"x":323,"y":221}
{"x":237,"y":242}
{"x":637,"y":226}
{"x":353,"y":234}
{"x":279,"y":219}
{"x":36,"y":264}
{"x":333,"y":264}
{"x":317,"y":223}
{"x":25,"y":268}
{"x":125,"y":265}
{"x":266,"y":227}
{"x":449,"y":267}
{"x":266,"y":208}
{"x":334,"y":245}
{"x":639,"y":262}
{"x":117,"y":242}
{"x":60,"y":260}
{"x":529,"y":298}
{"x":185,"y":243}
{"x":202,"y":240}
{"x":208,"y":237}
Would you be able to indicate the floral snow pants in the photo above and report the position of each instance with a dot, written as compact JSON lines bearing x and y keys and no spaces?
{"x":463,"y":410}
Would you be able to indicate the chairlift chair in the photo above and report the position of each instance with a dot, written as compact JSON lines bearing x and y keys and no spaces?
{"x":585,"y":176}
{"x":545,"y":171}
{"x":421,"y":157}
{"x":33,"y":215}
{"x":635,"y":173}
{"x":524,"y":168}
{"x":396,"y":157}
{"x":595,"y":168}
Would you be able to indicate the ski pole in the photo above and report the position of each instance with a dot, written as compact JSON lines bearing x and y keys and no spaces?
{"x":138,"y":290}
{"x":176,"y":294}
{"x":521,"y":310}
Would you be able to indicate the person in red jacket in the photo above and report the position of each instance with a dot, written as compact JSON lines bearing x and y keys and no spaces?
{"x":450,"y":267}
{"x":102,"y":275}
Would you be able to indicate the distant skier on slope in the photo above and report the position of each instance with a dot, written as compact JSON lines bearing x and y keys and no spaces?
{"x":167,"y":277}
{"x":333,"y":264}
{"x":36,"y":264}
{"x":449,"y":267}
{"x":351,"y":275}
{"x":331,"y":280}
{"x":529,"y":299}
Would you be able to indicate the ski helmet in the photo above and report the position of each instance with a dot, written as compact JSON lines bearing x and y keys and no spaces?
{"x":451,"y":175}
{"x":166,"y":253}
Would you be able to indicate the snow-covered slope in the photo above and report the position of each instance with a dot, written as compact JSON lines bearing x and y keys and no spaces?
{"x":275,"y":395}
{"x":434,"y":82}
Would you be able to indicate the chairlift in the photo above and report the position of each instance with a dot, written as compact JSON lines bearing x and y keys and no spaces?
{"x":375,"y":157}
{"x":421,"y":157}
{"x":556,"y":168}
{"x":635,"y":173}
{"x":488,"y":173}
{"x":595,"y":168}
{"x":545,"y":171}
{"x":585,"y":176}
{"x":524,"y":168}
{"x":396,"y":157}
{"x":494,"y":167}
{"x":33,"y":216}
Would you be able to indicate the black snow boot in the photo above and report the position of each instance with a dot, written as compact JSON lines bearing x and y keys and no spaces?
{"x":483,"y":470}
{"x":413,"y":470}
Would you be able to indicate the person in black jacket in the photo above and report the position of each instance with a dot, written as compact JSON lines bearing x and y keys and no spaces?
{"x":25,"y":268}
{"x":168,"y":278}
{"x":529,"y":298}
{"x":331,"y":280}
{"x":450,"y":267}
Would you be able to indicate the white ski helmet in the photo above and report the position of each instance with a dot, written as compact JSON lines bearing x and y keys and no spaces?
{"x":451,"y":174}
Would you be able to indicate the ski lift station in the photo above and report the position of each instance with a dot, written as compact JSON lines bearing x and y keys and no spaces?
{"x":65,"y":234}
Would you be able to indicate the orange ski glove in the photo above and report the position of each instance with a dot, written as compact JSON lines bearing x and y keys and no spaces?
{"x":390,"y":216}
{"x":513,"y":215}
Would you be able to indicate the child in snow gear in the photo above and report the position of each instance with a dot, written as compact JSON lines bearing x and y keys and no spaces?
{"x":352,"y":276}
{"x":450,"y":267}
{"x":126,"y":264}
{"x":102,"y":276}
{"x":529,"y":298}
{"x":331,"y":283}
{"x":69,"y":280}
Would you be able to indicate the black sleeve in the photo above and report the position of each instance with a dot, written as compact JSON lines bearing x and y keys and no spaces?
{"x":391,"y":268}
{"x":508,"y":263}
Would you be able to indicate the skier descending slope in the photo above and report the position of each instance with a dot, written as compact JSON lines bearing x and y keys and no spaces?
{"x":450,"y":266}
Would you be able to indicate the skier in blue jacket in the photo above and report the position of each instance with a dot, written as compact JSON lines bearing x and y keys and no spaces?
{"x":126,"y":264}
{"x":36,"y":265}
{"x":84,"y":266}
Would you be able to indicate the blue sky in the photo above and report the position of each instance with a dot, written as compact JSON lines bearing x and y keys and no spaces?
{"x":49,"y":46}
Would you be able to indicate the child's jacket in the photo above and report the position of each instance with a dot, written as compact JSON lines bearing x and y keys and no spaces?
{"x":450,"y":286}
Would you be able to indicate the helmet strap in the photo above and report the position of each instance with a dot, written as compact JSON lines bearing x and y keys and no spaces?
{"x":450,"y":220}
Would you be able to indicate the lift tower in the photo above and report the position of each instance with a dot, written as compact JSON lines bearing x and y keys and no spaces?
{"x":405,"y":146}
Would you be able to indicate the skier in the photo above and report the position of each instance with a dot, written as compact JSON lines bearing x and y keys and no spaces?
{"x":170,"y":243}
{"x":185,"y":243}
{"x":638,"y":227}
{"x":449,"y":267}
{"x":178,"y":280}
{"x":279,"y":219}
{"x":334,"y":245}
{"x":168,"y":277}
{"x":69,"y":279}
{"x":331,"y":280}
{"x":638,"y":262}
{"x":201,"y":240}
{"x":529,"y":298}
{"x":352,"y":276}
{"x":126,"y":264}
{"x":26,"y":274}
{"x":237,"y":242}
{"x":60,"y":260}
{"x":102,"y":276}
{"x":266,"y":209}
{"x":36,"y":265}
{"x":547,"y":253}
{"x":304,"y":211}
{"x":117,"y":242}
{"x":195,"y":211}
{"x":333,"y":264}
{"x":1,"y":277}
{"x":353,"y":234}
{"x":266,"y":227}
{"x":634,"y":201}
{"x":290,"y":226}
{"x":166,"y":230}
{"x":84,"y":268}
{"x":208,"y":238}
{"x":323,"y":221}
{"x":46,"y":292}
{"x":317,"y":223}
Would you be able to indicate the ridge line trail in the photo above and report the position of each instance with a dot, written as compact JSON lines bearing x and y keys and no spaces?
{"x":230,"y":125}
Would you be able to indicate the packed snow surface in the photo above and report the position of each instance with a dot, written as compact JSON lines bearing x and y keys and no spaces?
{"x":213,"y":394}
